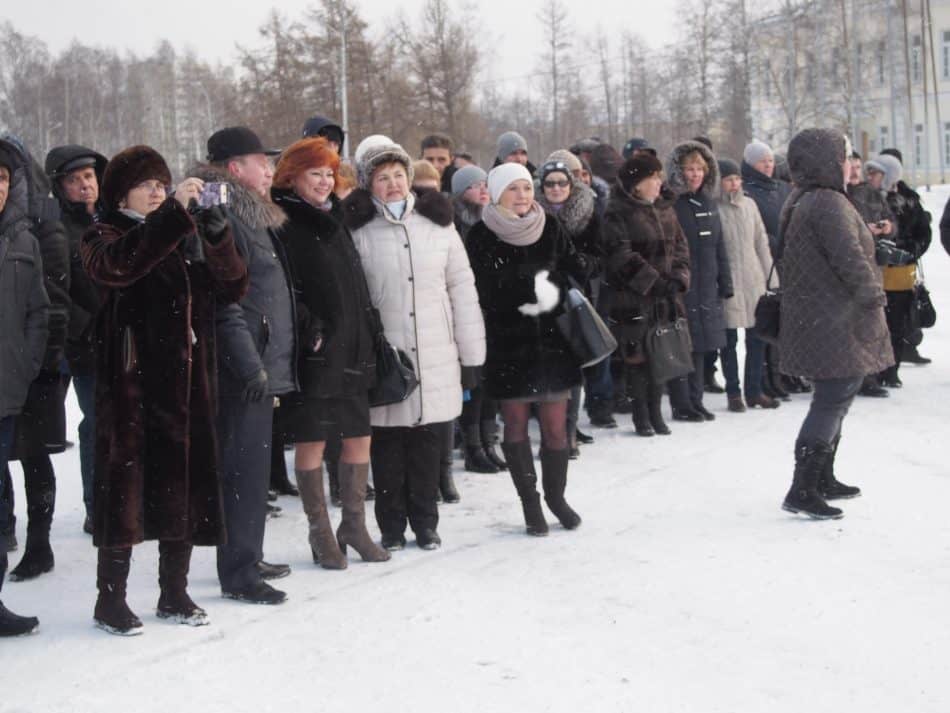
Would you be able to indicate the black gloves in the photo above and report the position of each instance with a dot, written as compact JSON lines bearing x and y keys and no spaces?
{"x":212,"y":224}
{"x":471,"y":377}
{"x":256,"y":388}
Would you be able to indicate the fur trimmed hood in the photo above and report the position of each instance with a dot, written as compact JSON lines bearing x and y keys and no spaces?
{"x":674,"y":170}
{"x":576,"y":213}
{"x":359,"y":209}
{"x":251,"y":209}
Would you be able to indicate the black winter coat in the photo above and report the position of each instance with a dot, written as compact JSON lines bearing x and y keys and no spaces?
{"x":526,"y":356}
{"x":769,"y":195}
{"x":645,"y":245}
{"x":579,"y":218}
{"x":84,"y":296}
{"x":913,"y":222}
{"x":332,"y":302}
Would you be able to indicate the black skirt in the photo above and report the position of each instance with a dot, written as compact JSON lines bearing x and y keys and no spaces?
{"x":305,"y":420}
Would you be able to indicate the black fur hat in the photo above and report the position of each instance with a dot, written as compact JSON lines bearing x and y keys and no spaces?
{"x":130,"y":167}
{"x":636,"y":168}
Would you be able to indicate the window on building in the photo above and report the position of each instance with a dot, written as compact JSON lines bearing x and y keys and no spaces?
{"x":946,"y":144}
{"x":883,"y":138}
{"x":945,"y":54}
{"x":916,"y":58}
{"x":919,"y":145}
{"x":882,"y":63}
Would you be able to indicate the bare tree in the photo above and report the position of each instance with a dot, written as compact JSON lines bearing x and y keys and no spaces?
{"x":554,"y":21}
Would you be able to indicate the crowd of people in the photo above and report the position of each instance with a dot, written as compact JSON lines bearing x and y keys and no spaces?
{"x":208,"y":326}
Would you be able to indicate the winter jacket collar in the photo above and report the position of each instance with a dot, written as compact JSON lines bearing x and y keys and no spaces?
{"x":576,"y":212}
{"x":359,"y":209}
{"x":255,"y":212}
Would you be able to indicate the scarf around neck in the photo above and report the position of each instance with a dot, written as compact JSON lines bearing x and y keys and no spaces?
{"x":520,"y":232}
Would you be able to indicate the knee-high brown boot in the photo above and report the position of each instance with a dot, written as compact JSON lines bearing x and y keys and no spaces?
{"x":352,"y":530}
{"x":174,"y":559}
{"x":323,"y":545}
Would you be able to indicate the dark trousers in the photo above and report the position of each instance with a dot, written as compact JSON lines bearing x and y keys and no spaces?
{"x":6,"y":443}
{"x":830,"y":402}
{"x":244,"y":440}
{"x":573,"y":411}
{"x":479,"y":407}
{"x":754,"y":358}
{"x":84,"y":384}
{"x":897,"y":314}
{"x":697,"y":380}
{"x":598,"y":385}
{"x":406,"y":476}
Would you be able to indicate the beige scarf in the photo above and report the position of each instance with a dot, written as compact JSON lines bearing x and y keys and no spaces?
{"x":520,"y":232}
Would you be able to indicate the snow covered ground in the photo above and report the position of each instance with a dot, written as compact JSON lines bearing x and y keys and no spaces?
{"x":686,"y":589}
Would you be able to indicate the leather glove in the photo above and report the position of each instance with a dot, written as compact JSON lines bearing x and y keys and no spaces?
{"x":213,"y":224}
{"x":471,"y":377}
{"x":256,"y":388}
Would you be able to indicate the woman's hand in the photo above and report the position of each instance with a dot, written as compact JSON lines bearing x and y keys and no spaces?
{"x":188,"y":190}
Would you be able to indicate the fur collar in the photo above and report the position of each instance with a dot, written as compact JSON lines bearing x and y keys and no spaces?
{"x":674,"y":170}
{"x":255,"y":212}
{"x":297,"y":209}
{"x":359,"y":208}
{"x":576,"y":213}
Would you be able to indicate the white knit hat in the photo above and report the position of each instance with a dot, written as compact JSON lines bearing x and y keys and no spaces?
{"x":369,"y":141}
{"x":502,"y":176}
{"x":756,"y":151}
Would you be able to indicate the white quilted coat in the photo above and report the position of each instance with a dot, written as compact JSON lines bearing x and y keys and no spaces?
{"x":421,"y":282}
{"x":747,"y":246}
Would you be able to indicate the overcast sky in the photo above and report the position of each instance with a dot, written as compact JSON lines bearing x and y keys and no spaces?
{"x":510,"y":29}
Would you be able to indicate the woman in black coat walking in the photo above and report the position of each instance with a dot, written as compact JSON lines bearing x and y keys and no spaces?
{"x":337,"y":359}
{"x":521,"y":258}
{"x":694,"y":176}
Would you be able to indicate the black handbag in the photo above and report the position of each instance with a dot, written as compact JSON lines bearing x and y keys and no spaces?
{"x":768,"y":312}
{"x":590,"y":339}
{"x":669,"y":349}
{"x":395,"y":376}
{"x":927,"y":313}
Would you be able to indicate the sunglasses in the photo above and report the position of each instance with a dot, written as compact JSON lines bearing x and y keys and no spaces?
{"x":557,"y":184}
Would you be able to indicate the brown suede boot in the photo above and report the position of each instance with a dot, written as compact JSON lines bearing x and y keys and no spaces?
{"x":174,"y":603}
{"x":112,"y":614}
{"x":352,"y":530}
{"x":323,"y":543}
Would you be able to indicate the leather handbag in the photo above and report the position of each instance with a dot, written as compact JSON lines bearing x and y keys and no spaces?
{"x":927,"y":313}
{"x":395,"y":376}
{"x":589,"y":338}
{"x":768,"y":312}
{"x":669,"y":349}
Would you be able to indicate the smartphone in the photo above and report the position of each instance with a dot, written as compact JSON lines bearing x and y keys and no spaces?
{"x":213,"y":194}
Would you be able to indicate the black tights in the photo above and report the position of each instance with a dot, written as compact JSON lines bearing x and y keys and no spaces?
{"x":551,"y":415}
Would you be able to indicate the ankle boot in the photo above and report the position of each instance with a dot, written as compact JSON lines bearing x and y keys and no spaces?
{"x":521,"y":466}
{"x":803,"y":497}
{"x":40,"y":502}
{"x":174,"y":603}
{"x":829,"y":487}
{"x":112,"y":614}
{"x":449,"y":492}
{"x":476,"y":460}
{"x":11,"y":624}
{"x":352,"y":530}
{"x":638,"y":378}
{"x":490,"y":444}
{"x":554,"y":479}
{"x":323,"y":545}
{"x":655,"y":408}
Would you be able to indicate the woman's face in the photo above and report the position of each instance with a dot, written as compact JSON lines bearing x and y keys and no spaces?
{"x":649,"y":188}
{"x":390,"y":183}
{"x":557,"y":187}
{"x":694,"y":173}
{"x":145,"y":197}
{"x":477,"y":194}
{"x":518,"y":197}
{"x":315,"y":185}
{"x":732,"y":184}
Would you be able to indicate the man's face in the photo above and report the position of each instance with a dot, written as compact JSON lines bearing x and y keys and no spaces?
{"x":855,"y":177}
{"x":4,"y":186}
{"x":81,"y":186}
{"x":519,"y":156}
{"x":253,"y":171}
{"x":438,"y":157}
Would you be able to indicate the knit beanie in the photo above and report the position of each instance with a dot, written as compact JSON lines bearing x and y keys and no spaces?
{"x":129,"y":168}
{"x":508,"y":143}
{"x":378,"y":154}
{"x":465,"y":177}
{"x":637,"y":144}
{"x":728,"y":167}
{"x":755,"y":152}
{"x":7,"y":159}
{"x":503,"y":175}
{"x":373,"y":140}
{"x":572,"y":162}
{"x":636,"y":168}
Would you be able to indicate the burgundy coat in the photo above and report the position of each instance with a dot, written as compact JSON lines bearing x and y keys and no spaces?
{"x":156,"y":450}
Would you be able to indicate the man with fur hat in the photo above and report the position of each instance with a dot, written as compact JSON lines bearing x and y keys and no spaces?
{"x":24,"y":310}
{"x":257,"y":356}
{"x":75,"y":173}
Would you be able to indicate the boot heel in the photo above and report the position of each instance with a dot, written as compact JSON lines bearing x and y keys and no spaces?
{"x":342,"y":546}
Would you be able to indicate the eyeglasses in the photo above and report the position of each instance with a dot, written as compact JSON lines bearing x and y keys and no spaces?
{"x":557,"y":184}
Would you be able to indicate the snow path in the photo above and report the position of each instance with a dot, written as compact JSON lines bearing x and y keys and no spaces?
{"x":686,"y":589}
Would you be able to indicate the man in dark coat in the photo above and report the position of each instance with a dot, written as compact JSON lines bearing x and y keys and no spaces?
{"x":75,"y":173}
{"x":257,"y":358}
{"x":40,"y":429}
{"x":24,"y":310}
